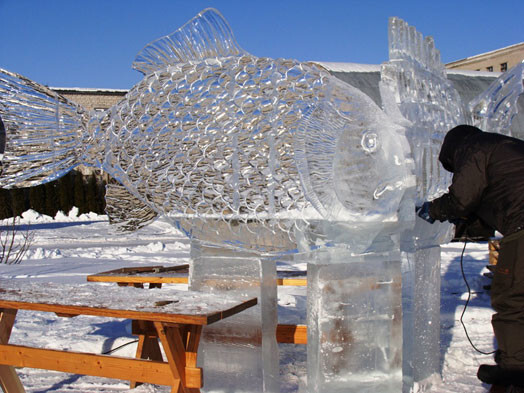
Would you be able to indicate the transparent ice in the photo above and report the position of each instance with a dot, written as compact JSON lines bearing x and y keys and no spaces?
{"x":255,"y":157}
{"x":214,"y":133}
{"x":354,"y":322}
{"x":240,"y":353}
{"x":495,"y":109}
{"x":416,"y":92}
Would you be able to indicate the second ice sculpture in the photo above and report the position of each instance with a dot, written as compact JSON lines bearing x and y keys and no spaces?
{"x":415,"y":90}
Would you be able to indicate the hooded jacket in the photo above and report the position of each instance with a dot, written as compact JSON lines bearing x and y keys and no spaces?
{"x":488,"y":179}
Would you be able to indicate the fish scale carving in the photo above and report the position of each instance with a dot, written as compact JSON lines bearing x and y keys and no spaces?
{"x":210,"y":172}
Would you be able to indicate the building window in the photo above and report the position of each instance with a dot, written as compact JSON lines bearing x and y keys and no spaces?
{"x":503,"y":67}
{"x":490,"y":68}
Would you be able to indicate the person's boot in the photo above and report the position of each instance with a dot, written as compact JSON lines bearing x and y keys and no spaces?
{"x":496,"y":375}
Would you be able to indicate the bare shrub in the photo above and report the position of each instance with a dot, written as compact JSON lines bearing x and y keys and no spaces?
{"x":14,"y":243}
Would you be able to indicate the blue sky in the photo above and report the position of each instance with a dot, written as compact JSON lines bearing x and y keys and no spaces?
{"x":93,"y":43}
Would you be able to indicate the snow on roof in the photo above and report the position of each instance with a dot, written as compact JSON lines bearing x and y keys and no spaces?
{"x":348,"y":67}
{"x":488,"y":53}
{"x":473,"y":73}
{"x":356,"y":67}
{"x":89,"y":90}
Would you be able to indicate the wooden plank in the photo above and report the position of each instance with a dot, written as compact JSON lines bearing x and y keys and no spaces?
{"x":193,"y":373}
{"x":9,"y":380}
{"x":196,"y":319}
{"x":286,"y":334}
{"x":194,"y":377}
{"x":107,"y":312}
{"x":87,"y":364}
{"x":156,"y":269}
{"x":233,"y":310}
{"x":193,"y":340}
{"x":298,"y":282}
{"x":147,"y":348}
{"x":175,"y":352}
{"x":134,"y":269}
{"x":292,"y":334}
{"x":7,"y":320}
{"x":141,"y":275}
{"x":139,"y":279}
{"x":130,"y":284}
{"x":63,"y":315}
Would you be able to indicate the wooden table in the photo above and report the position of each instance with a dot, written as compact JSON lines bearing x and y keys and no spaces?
{"x":176,"y":316}
{"x":157,"y":275}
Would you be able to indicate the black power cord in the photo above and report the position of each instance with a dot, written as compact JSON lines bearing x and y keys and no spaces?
{"x":467,"y":302}
{"x":119,"y":347}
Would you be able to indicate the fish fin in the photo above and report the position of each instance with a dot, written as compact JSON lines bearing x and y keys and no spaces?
{"x":205,"y":36}
{"x":494,"y":109}
{"x":125,"y":211}
{"x":42,"y":135}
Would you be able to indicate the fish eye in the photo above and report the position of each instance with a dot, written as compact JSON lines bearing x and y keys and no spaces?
{"x":369,"y":141}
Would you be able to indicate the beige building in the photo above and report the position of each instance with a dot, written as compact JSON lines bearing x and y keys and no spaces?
{"x":499,"y":60}
{"x":92,"y":99}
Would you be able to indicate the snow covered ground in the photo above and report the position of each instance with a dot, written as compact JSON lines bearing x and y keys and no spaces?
{"x":68,"y":248}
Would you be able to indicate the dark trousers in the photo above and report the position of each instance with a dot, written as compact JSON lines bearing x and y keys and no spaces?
{"x":507,"y":299}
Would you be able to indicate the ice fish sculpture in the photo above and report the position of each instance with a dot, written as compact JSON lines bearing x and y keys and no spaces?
{"x":416,"y":92}
{"x":213,"y":133}
{"x":494,"y":109}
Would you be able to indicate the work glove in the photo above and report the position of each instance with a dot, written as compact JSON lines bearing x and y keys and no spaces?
{"x":423,"y":212}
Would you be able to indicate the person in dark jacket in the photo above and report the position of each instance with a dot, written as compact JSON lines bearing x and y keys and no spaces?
{"x":488,"y":184}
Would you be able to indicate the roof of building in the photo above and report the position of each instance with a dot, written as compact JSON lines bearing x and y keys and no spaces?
{"x":480,"y":55}
{"x":88,"y":90}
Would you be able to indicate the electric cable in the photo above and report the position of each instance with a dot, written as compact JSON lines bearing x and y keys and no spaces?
{"x":119,"y":347}
{"x":467,"y":302}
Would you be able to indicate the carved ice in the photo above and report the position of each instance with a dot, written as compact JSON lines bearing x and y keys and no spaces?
{"x":415,"y":91}
{"x":214,"y":133}
{"x":253,"y":157}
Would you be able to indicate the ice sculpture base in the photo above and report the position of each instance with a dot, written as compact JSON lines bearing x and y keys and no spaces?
{"x":241,"y":354}
{"x":421,"y":309}
{"x":354,"y":322}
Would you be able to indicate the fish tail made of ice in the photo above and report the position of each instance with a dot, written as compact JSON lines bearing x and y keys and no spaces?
{"x":494,"y":109}
{"x":41,"y":136}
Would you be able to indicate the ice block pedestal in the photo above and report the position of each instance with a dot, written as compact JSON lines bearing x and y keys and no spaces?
{"x":354,"y":322}
{"x":239,"y":354}
{"x":421,"y":303}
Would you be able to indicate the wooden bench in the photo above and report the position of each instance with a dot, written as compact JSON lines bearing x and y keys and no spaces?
{"x":176,"y":316}
{"x":157,"y":275}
